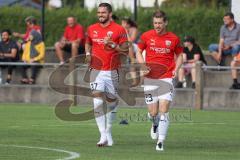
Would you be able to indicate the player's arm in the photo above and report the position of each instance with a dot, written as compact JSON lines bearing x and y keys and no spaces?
{"x":144,"y":69}
{"x":123,"y":48}
{"x":195,"y":58}
{"x":221,"y":46}
{"x":179,"y":57}
{"x":19,"y":35}
{"x":139,"y":56}
{"x":134,"y":35}
{"x":179,"y":62}
{"x":88,"y":48}
{"x":10,"y":55}
{"x":221,"y":41}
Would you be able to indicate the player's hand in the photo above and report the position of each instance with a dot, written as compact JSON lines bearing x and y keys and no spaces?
{"x":227,"y":47}
{"x":133,"y":60}
{"x":144,"y":70}
{"x":219,"y":58}
{"x":106,"y":40}
{"x":174,"y":73}
{"x":15,"y":34}
{"x":88,"y":59}
{"x":32,"y":60}
{"x":109,"y":44}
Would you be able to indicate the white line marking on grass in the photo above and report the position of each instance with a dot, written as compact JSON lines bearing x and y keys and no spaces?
{"x":138,"y":123}
{"x":72,"y":155}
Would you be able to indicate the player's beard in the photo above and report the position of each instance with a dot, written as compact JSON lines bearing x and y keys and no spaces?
{"x":104,"y":20}
{"x":160,"y":30}
{"x":5,"y":39}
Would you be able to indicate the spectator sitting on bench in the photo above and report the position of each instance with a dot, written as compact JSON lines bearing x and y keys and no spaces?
{"x":235,"y":63}
{"x":229,"y":43}
{"x":72,"y":40}
{"x":8,"y":52}
{"x":34,"y":53}
{"x":31,"y":24}
{"x":191,"y":54}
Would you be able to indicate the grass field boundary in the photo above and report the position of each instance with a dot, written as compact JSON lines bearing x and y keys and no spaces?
{"x":72,"y":155}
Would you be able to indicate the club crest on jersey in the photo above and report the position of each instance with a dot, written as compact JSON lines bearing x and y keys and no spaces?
{"x":109,"y":34}
{"x":168,"y":43}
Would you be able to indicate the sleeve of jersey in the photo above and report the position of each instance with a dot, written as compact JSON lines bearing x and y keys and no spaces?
{"x":122,"y":36}
{"x":88,"y":38}
{"x":142,"y":43}
{"x":178,"y":48}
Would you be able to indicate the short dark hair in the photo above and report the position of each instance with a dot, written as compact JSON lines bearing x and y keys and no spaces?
{"x":7,"y":30}
{"x":130,"y":22}
{"x":107,"y":5}
{"x":190,"y":39}
{"x":160,"y":14}
{"x":229,"y":14}
{"x":31,"y":20}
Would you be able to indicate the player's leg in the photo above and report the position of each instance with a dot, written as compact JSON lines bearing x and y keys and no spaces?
{"x":97,"y":87}
{"x":59,"y":51}
{"x":235,"y":84}
{"x":213,"y":48}
{"x":154,"y":118}
{"x":181,"y":77}
{"x":163,"y":123}
{"x":9,"y":75}
{"x":151,"y":99}
{"x":110,"y":117}
{"x":164,"y":104}
{"x":111,"y":83}
{"x":193,"y":75}
{"x":99,"y":113}
{"x":74,"y":49}
{"x":133,"y":73}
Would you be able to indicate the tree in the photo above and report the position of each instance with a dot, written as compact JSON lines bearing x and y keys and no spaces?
{"x":197,"y":3}
{"x":73,"y":3}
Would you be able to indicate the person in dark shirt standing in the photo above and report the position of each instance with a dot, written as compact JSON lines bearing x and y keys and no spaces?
{"x":191,"y":54}
{"x":8,"y":51}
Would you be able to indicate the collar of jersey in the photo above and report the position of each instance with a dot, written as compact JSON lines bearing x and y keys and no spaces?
{"x":111,"y":22}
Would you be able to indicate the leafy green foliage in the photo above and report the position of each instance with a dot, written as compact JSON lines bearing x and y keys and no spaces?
{"x":203,"y":23}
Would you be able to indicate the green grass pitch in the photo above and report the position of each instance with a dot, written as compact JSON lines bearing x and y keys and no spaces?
{"x":195,"y":135}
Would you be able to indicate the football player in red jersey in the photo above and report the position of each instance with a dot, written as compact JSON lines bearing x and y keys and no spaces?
{"x":105,"y":40}
{"x":163,"y":58}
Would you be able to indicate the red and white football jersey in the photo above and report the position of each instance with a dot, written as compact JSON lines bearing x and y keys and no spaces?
{"x":103,"y":59}
{"x":160,"y":53}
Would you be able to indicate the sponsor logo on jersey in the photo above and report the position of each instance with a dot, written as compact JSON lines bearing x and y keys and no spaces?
{"x":160,"y":50}
{"x":98,"y":40}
